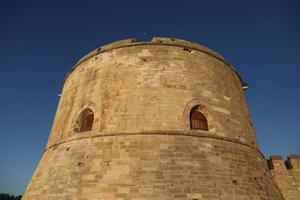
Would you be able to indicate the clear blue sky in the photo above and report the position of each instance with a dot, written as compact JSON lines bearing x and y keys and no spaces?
{"x":41,"y":40}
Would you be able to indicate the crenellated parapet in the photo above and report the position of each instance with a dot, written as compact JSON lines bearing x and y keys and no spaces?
{"x":286,"y":173}
{"x":277,"y":162}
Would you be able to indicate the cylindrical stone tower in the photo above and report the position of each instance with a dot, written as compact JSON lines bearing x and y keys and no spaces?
{"x":165,"y":119}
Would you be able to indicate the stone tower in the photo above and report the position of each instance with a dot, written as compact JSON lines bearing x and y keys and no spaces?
{"x":164,"y":119}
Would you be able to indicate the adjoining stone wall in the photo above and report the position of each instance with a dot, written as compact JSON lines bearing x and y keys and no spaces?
{"x":152,"y":166}
{"x":287,"y":175}
{"x":140,"y":145}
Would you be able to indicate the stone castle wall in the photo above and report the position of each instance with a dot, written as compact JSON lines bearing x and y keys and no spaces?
{"x":152,"y":166}
{"x":286,"y":175}
{"x":141,"y":145}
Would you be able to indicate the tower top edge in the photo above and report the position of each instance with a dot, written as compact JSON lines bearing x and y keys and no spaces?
{"x":164,"y":41}
{"x":154,"y":41}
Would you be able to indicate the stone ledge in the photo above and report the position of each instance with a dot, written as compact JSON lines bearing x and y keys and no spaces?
{"x":191,"y":133}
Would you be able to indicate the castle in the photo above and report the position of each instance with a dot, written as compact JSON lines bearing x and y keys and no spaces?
{"x":163,"y":119}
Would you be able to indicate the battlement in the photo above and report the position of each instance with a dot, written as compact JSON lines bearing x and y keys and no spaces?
{"x":277,"y":162}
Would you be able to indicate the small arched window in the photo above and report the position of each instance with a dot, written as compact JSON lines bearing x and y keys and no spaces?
{"x":198,"y":120}
{"x":86,"y":120}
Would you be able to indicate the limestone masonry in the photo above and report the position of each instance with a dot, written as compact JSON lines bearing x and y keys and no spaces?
{"x":164,"y":119}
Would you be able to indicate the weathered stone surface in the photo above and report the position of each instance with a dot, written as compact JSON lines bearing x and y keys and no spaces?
{"x":141,"y":145}
{"x":287,"y":175}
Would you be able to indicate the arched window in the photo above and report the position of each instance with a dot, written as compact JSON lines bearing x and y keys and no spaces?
{"x":198,"y":120}
{"x":86,"y":120}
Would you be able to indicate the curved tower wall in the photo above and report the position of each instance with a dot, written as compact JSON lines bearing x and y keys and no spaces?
{"x":149,"y":87}
{"x":141,"y":144}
